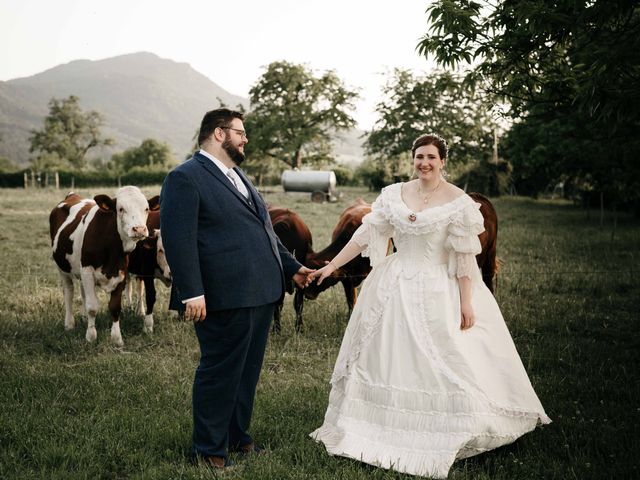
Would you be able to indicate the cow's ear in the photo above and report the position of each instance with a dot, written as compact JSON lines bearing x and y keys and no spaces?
{"x":154,"y":203}
{"x":105,"y":202}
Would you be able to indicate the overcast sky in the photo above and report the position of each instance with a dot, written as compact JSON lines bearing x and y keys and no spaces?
{"x":228,"y":41}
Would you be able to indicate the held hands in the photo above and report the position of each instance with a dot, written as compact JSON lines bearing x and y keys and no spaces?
{"x":468,"y":318}
{"x":196,"y":310}
{"x":303,"y":277}
{"x":324,"y":272}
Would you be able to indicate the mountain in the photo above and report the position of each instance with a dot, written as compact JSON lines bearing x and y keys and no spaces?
{"x":140,"y":95}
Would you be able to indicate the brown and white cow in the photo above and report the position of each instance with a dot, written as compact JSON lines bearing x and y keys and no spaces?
{"x":148,"y":262}
{"x":91,"y":240}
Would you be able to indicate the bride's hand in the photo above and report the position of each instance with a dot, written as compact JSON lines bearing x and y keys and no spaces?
{"x":323,"y":272}
{"x":468,"y":318}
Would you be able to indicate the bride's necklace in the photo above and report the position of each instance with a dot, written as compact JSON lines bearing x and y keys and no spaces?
{"x":426,"y":196}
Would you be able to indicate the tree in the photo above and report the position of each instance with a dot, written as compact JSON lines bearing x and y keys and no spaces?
{"x":572,"y":68}
{"x":68,"y":134}
{"x":293,"y":114}
{"x":438,"y":103}
{"x":151,"y":154}
{"x":7,"y":166}
{"x":548,"y":52}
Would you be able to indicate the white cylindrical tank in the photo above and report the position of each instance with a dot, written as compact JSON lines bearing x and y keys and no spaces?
{"x":308,"y":181}
{"x":314,"y":181}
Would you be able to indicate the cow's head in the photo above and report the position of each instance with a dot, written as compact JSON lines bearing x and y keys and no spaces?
{"x":131,"y":209}
{"x":164,"y":272}
{"x":313,"y":290}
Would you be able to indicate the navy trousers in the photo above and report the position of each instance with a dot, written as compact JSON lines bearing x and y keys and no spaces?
{"x":232,"y":346}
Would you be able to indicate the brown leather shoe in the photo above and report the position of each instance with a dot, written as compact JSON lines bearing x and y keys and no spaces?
{"x":248,"y":449}
{"x":219,"y":463}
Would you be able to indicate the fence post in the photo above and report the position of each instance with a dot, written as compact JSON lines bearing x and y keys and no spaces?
{"x":33,"y":179}
{"x":73,"y":182}
{"x":26,"y":180}
{"x":57,"y":178}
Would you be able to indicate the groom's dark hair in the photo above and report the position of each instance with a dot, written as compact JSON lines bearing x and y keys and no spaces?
{"x":220,"y":117}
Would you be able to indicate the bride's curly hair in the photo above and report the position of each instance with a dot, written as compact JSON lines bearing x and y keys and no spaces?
{"x":430,"y":139}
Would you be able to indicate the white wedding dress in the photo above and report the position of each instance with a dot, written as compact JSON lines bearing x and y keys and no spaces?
{"x":410,"y":390}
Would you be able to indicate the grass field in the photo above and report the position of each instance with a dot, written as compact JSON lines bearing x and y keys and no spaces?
{"x":73,"y":410}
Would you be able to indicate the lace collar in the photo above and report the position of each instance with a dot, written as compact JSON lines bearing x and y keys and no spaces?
{"x":407,"y":220}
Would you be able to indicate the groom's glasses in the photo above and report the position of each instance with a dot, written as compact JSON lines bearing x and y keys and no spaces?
{"x":242,"y":133}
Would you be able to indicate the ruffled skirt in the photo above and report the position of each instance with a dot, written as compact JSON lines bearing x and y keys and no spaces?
{"x":411,"y":391}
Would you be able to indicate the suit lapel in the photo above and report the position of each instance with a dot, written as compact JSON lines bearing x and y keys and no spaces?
{"x":226,"y":182}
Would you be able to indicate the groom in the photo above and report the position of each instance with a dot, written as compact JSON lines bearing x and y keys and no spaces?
{"x":229,"y":270}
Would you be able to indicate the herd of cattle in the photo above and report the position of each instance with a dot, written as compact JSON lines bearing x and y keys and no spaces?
{"x":115,"y":244}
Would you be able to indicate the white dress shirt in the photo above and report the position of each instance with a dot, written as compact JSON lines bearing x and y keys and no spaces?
{"x":230,"y":173}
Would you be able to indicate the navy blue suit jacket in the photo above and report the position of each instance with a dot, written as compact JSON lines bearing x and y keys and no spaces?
{"x":216,"y":243}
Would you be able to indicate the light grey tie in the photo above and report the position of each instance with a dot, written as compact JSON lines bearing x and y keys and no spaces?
{"x":232,"y":177}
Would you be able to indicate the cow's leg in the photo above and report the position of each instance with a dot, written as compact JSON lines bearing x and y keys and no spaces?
{"x":298,"y":304}
{"x":67,"y":289}
{"x":150,"y":296}
{"x":140,"y":284}
{"x":128,"y":290}
{"x":90,"y":303}
{"x":84,"y":300}
{"x":115,"y":308}
{"x":277,"y":315}
{"x":350,"y":294}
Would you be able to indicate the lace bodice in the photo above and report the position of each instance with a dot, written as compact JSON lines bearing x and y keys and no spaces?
{"x":446,"y":234}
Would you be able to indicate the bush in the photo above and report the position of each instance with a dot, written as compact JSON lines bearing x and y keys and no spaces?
{"x":80,"y":179}
{"x":345,"y":176}
{"x":487,"y":178}
{"x":373,"y":175}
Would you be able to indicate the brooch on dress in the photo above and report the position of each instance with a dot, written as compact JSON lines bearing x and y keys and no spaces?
{"x":412,"y":217}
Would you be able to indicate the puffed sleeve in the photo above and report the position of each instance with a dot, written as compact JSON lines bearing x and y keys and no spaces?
{"x":463,"y":242}
{"x":375,"y":231}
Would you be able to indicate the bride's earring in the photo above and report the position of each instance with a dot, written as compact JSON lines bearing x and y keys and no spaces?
{"x":444,"y":173}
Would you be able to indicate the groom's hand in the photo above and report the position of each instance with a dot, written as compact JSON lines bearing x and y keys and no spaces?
{"x":196,"y":310}
{"x":301,"y":277}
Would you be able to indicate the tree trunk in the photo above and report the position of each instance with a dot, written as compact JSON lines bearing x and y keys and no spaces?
{"x":587,"y":202}
{"x":615,"y":223}
{"x":298,"y":159}
{"x":601,"y":209}
{"x":57,"y":178}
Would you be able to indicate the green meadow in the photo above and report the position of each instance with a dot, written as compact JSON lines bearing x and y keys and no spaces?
{"x":72,"y":410}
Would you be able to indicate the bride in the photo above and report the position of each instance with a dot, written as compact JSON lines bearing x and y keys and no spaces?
{"x":427,"y":372}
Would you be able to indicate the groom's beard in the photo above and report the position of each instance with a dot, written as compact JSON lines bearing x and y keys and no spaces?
{"x":234,"y":152}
